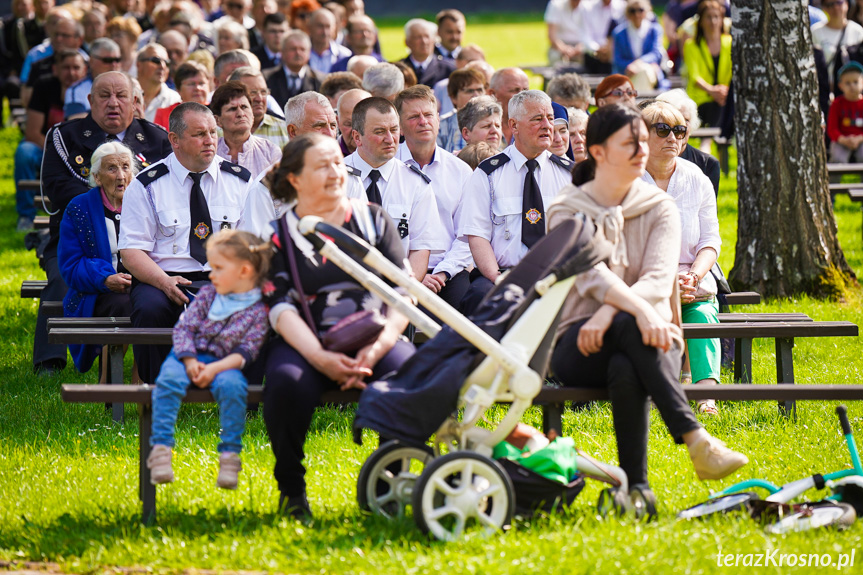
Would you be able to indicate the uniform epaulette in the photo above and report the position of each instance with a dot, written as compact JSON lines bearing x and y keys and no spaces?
{"x":420,"y":172}
{"x":564,"y":163}
{"x":353,"y":171}
{"x":147,"y":177}
{"x":236,"y":170}
{"x":491,"y":164}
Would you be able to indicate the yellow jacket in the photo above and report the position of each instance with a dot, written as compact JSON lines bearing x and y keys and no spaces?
{"x":699,"y":64}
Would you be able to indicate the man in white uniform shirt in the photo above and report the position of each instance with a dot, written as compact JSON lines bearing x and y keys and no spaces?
{"x":447,"y":273}
{"x":404,"y":192}
{"x":177,"y":204}
{"x":506,"y":198}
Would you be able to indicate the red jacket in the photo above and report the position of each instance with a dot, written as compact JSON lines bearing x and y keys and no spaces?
{"x":845,"y":118}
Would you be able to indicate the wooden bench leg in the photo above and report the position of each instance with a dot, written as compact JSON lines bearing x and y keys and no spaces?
{"x":552,"y":418}
{"x":146,"y":490}
{"x":743,"y":361}
{"x":115,"y":376}
{"x":785,"y":371}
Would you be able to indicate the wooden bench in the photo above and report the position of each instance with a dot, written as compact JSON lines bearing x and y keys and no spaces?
{"x":41,"y":222}
{"x":32,"y":288}
{"x":852,"y":190}
{"x":722,"y":145}
{"x":550,"y":399}
{"x":743,"y":298}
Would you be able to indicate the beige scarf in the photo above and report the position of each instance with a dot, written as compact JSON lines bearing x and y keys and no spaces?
{"x":641,"y":198}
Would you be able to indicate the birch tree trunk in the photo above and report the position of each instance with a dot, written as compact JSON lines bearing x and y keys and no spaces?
{"x":786,"y":236}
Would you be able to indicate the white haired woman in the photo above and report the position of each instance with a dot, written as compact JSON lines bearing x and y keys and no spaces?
{"x":700,"y":236}
{"x":87,"y":253}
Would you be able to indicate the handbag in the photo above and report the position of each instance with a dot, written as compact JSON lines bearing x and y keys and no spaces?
{"x":351,"y":333}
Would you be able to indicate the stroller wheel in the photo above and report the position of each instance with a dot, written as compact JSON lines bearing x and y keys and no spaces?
{"x":643,"y":502}
{"x":612,"y":501}
{"x":388,"y":476}
{"x":812,"y":516}
{"x":460,"y":487}
{"x":725,"y":504}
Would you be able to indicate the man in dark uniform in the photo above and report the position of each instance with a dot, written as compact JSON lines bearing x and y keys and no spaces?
{"x":429,"y":67}
{"x":65,"y":169}
{"x":178,"y":204}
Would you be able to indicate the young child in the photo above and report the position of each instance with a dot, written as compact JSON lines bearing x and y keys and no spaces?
{"x":845,"y":119}
{"x":222,"y":330}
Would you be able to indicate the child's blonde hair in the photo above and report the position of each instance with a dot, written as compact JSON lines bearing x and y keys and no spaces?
{"x":244,"y":246}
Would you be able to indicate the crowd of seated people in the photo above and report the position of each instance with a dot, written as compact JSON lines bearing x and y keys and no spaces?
{"x":258,"y":113}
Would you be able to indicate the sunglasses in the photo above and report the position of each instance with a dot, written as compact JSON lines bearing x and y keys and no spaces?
{"x":635,"y":10}
{"x":662,"y":130}
{"x":109,"y":59}
{"x":153,"y":60}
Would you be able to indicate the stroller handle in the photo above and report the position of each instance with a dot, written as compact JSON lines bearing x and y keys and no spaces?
{"x":310,"y":226}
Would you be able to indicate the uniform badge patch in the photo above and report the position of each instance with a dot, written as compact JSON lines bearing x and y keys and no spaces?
{"x":236,"y":169}
{"x":151,"y":173}
{"x":87,"y":133}
{"x":495,"y":162}
{"x":140,"y":136}
{"x":85,"y":172}
{"x":79,"y":160}
{"x":533,"y":216}
{"x":403,"y":228}
{"x":202,"y":230}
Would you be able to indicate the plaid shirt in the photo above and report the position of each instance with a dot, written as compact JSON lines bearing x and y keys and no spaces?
{"x":449,"y":137}
{"x":273,"y":130}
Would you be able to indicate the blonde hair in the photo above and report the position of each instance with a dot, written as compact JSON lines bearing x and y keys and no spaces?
{"x":662,"y":112}
{"x":246,"y":247}
{"x":474,"y":154}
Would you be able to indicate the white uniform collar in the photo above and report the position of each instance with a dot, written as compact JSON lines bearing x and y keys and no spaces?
{"x":519,"y":159}
{"x":386,"y":170}
{"x":179,"y":171}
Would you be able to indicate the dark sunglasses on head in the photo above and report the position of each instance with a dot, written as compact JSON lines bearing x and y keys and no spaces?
{"x":662,"y":130}
{"x":109,"y":59}
{"x":154,"y":60}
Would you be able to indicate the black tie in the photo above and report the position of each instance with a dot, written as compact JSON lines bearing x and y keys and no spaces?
{"x":373,"y":192}
{"x":532,"y":226}
{"x":201,"y":222}
{"x":295,"y":83}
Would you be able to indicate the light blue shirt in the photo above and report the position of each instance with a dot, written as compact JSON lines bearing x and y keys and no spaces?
{"x":323,"y":62}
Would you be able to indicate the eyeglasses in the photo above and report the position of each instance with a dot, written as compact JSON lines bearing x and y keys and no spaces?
{"x":257,"y":93}
{"x":474,"y":91}
{"x":620,"y":93}
{"x":302,"y":15}
{"x":152,"y":59}
{"x":635,"y":10}
{"x":662,"y":130}
{"x":109,"y":59}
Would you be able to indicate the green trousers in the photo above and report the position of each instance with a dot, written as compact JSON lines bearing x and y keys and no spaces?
{"x":704,"y":354}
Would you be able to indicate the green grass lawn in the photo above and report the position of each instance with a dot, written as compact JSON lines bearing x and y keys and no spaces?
{"x":68,"y":476}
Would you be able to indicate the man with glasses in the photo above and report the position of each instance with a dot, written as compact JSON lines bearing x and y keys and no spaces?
{"x":105,"y":56}
{"x":265,"y":123}
{"x":269,"y":52}
{"x":152,"y":74}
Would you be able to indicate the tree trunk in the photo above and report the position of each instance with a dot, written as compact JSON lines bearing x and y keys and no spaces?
{"x":786,"y":236}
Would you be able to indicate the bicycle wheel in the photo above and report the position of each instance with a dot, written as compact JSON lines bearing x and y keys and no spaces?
{"x":838,"y":515}
{"x":388,"y":476}
{"x":725,"y":504}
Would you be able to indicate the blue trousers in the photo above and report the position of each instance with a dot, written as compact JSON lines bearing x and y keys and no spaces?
{"x":229,"y":388}
{"x":28,"y":162}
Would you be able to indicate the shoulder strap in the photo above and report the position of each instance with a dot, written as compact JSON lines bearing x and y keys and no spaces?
{"x":288,"y":244}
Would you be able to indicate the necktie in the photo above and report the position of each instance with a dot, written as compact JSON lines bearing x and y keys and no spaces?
{"x":533,"y":224}
{"x":373,"y":192}
{"x":201,"y":222}
{"x":295,"y":83}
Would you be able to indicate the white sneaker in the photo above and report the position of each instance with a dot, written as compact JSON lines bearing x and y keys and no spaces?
{"x":229,"y":469}
{"x":712,"y":460}
{"x":159,"y":464}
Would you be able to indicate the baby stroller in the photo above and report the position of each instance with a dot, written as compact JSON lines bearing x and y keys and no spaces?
{"x":499,"y":355}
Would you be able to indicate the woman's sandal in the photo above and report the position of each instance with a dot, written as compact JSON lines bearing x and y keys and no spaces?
{"x":707,"y":407}
{"x":685,"y":378}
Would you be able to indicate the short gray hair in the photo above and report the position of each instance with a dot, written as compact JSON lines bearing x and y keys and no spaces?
{"x":235,"y":29}
{"x":228,"y":58}
{"x":103,"y":45}
{"x":568,"y":87}
{"x":687,"y":106}
{"x":294,"y":35}
{"x":177,"y":119}
{"x":517,"y":103}
{"x":576,"y":114}
{"x":431,"y":27}
{"x":383,"y":79}
{"x":476,"y":110}
{"x":295,"y":108}
{"x":110,"y":149}
{"x":245,"y":72}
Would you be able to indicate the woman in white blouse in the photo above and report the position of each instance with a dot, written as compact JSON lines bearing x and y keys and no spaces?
{"x":693,"y":194}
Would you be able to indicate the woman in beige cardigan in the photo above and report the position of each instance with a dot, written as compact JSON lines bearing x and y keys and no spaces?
{"x":616,"y":330}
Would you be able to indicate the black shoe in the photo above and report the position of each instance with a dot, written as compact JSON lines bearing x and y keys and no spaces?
{"x":49,"y":367}
{"x":296,"y":507}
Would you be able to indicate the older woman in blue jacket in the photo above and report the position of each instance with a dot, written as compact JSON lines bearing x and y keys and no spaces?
{"x":638,"y":50}
{"x":87,"y":253}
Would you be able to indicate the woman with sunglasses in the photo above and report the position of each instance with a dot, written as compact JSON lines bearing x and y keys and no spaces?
{"x":638,"y":51}
{"x":708,"y":58}
{"x":693,"y":194}
{"x":615,"y":89}
{"x":616,"y":328}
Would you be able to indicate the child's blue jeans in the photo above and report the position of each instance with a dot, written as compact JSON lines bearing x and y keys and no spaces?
{"x":229,"y":388}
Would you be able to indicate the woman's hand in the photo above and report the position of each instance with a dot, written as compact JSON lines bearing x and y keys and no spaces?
{"x":369,"y":356}
{"x":592,"y":332}
{"x":118,"y":283}
{"x":338,"y":367}
{"x":655,"y":331}
{"x":719,"y":93}
{"x":687,"y":287}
